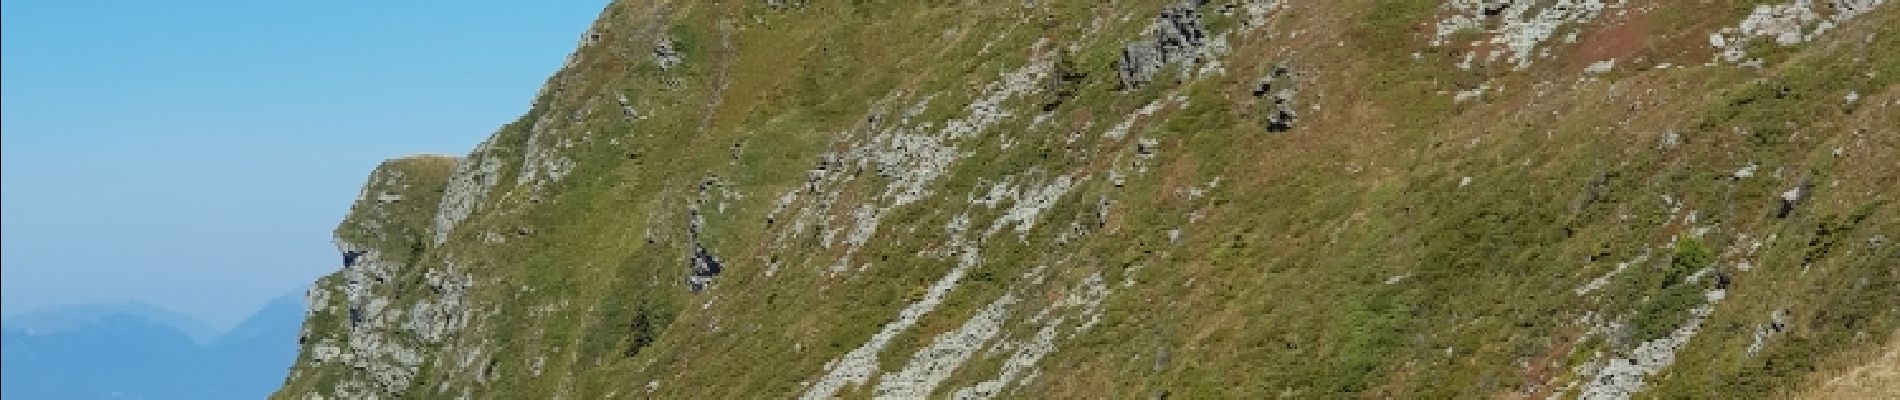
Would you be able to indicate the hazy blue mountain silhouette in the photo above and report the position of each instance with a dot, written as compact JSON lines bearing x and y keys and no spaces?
{"x":130,"y":354}
{"x":253,"y":358}
{"x":67,"y":318}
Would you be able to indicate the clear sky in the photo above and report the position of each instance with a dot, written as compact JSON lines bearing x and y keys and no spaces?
{"x":194,"y":154}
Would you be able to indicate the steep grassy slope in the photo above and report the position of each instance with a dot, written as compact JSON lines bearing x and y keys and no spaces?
{"x":1359,"y":198}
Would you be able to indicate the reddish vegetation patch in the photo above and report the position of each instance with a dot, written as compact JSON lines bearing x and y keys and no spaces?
{"x":1621,"y":38}
{"x":1485,"y":49}
{"x":1540,"y":373}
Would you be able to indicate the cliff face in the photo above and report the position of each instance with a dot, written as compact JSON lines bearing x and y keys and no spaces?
{"x":1359,"y":198}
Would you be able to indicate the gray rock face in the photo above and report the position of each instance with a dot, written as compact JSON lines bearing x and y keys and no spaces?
{"x":1623,"y":377}
{"x":1276,"y":91}
{"x":1793,"y":197}
{"x":1176,"y":35}
{"x":703,"y":265}
{"x":666,"y":55}
{"x":1777,"y":323}
{"x":778,"y":4}
{"x":626,"y":108}
{"x":1787,"y":24}
{"x":913,"y":160}
{"x":474,"y":177}
{"x":1518,"y":32}
{"x":934,"y":364}
{"x":376,"y":338}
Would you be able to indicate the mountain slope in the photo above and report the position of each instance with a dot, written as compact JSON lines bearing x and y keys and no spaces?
{"x":1360,"y":198}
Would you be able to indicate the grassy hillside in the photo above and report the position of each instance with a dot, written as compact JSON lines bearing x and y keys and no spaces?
{"x":1309,"y":199}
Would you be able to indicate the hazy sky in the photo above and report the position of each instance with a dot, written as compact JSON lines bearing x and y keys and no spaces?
{"x":195,"y":154}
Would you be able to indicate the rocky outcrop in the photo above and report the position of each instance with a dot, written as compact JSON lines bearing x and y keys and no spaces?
{"x":1518,"y":32}
{"x":1176,"y":36}
{"x":363,"y":336}
{"x":1277,"y":91}
{"x":1787,"y":24}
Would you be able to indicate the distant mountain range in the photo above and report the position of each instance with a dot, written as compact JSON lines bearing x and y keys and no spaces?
{"x":66,"y":319}
{"x":139,"y":351}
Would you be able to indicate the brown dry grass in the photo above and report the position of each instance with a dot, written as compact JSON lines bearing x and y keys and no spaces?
{"x":1877,"y":376}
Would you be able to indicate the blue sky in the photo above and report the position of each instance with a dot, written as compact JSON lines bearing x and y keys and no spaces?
{"x":195,"y":154}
